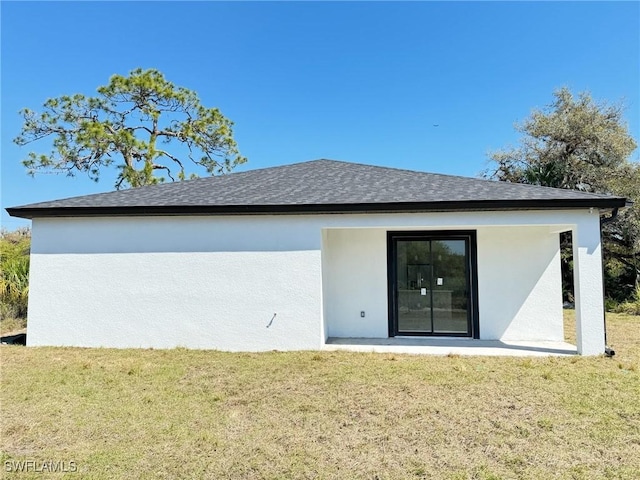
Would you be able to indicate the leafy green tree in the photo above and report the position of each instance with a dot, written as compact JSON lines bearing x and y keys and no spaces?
{"x":133,"y":121}
{"x":621,"y":238}
{"x":581,"y":144}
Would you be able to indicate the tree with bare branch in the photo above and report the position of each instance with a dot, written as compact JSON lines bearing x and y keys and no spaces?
{"x":143,"y":124}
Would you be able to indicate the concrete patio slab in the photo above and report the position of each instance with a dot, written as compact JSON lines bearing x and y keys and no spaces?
{"x":451,"y":346}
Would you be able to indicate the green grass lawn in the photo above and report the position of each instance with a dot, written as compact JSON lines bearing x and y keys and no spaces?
{"x":202,"y":414}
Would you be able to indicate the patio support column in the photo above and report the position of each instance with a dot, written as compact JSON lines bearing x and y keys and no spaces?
{"x":588,"y":287}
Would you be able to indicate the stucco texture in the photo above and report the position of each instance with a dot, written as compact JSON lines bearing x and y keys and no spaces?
{"x":287,"y":282}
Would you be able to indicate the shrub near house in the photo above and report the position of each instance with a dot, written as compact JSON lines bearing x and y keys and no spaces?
{"x":14,"y":277}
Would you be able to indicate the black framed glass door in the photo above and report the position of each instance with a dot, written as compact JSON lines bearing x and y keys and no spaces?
{"x":431,"y":286}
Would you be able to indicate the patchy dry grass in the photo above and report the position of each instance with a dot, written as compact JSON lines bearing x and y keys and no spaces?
{"x":10,"y":325}
{"x":202,"y":414}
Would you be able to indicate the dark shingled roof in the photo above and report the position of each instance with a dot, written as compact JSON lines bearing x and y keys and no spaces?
{"x":319,"y":186}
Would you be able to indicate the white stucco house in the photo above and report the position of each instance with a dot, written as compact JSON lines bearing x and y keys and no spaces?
{"x":314,"y":254}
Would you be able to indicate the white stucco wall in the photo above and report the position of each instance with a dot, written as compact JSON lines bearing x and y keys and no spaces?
{"x":216,"y":282}
{"x":356,"y":281}
{"x":519,"y":283}
{"x":166,"y":282}
{"x":587,"y":274}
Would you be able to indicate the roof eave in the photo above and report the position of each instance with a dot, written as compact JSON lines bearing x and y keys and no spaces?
{"x":301,"y":209}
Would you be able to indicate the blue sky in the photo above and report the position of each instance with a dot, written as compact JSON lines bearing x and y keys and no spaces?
{"x":357,"y":81}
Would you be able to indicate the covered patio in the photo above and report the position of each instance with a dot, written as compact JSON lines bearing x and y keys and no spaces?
{"x":510,"y":301}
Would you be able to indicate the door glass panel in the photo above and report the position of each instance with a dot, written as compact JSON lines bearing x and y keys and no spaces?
{"x":414,"y":273}
{"x":450,"y":286}
{"x":431,"y":286}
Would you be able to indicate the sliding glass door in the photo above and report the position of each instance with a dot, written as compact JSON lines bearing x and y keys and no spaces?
{"x":430,"y":283}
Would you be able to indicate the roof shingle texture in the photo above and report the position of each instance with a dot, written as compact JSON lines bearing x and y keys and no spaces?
{"x":319,"y":182}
